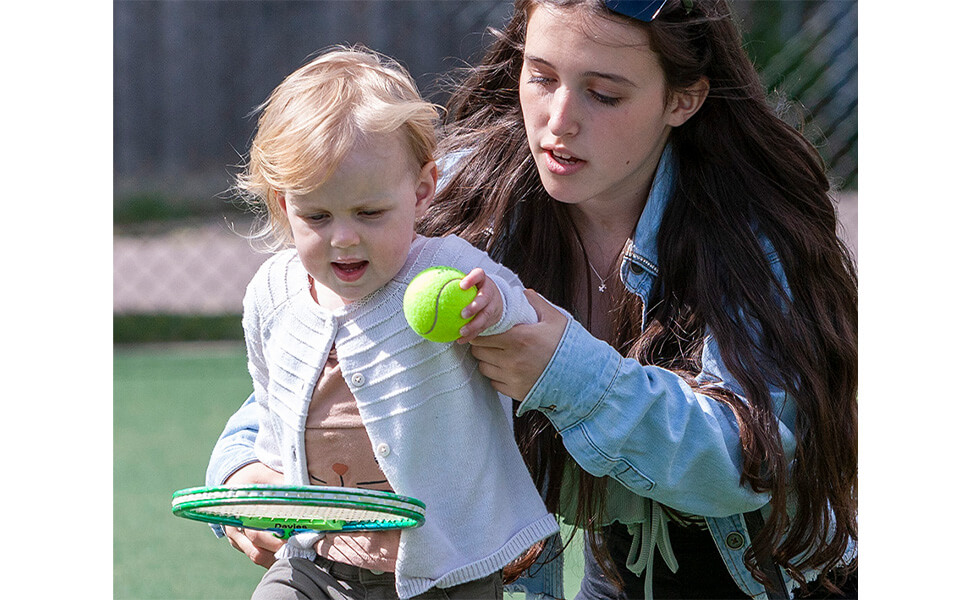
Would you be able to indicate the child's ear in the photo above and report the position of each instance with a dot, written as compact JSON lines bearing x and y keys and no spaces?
{"x":687,"y":102}
{"x":425,"y":187}
{"x":280,"y":198}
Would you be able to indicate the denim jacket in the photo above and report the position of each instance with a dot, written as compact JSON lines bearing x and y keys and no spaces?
{"x":658,"y":440}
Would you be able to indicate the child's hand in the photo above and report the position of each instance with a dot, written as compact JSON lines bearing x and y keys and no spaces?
{"x":486,"y":308}
{"x":259,"y":546}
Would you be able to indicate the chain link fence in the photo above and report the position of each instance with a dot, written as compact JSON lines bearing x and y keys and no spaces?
{"x":199,"y":266}
{"x":182,"y":267}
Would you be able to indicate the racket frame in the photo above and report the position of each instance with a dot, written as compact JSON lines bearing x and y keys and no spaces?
{"x":187,"y":503}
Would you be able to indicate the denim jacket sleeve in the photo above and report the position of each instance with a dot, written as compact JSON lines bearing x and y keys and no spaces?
{"x":643,"y":426}
{"x":234,"y":449}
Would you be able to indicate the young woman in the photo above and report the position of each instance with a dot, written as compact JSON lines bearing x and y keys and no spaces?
{"x":700,"y":402}
{"x":630,"y":170}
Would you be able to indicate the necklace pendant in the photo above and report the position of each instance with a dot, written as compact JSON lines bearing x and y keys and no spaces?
{"x":602,"y":288}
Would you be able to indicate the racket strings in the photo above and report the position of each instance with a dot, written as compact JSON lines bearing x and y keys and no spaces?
{"x":298,"y":512}
{"x":331,"y":509}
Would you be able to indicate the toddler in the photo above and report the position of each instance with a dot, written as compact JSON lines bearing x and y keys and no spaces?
{"x":343,"y":164}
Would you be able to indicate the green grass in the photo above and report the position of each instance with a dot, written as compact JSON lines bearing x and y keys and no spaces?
{"x":169,"y":408}
{"x":170,"y":404}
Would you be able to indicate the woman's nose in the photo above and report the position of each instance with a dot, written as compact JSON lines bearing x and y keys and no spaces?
{"x":563,"y":120}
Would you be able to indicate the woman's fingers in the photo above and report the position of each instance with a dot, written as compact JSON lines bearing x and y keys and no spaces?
{"x":514,"y":360}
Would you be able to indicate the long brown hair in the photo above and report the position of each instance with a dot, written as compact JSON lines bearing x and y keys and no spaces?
{"x":742,"y":171}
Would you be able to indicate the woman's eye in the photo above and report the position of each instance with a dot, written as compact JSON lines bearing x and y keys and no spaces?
{"x":604,"y":99}
{"x":540,"y":80}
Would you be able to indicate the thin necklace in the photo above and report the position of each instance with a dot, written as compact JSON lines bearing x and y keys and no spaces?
{"x":602,"y":286}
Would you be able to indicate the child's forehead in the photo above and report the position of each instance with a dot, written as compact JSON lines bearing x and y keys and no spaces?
{"x":367,"y":172}
{"x":376,"y":156}
{"x":386,"y":144}
{"x":391,"y":145}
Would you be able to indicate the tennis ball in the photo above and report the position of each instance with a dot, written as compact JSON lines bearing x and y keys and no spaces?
{"x":433,"y":303}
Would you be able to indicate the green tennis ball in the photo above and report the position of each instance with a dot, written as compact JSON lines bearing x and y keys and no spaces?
{"x":433,"y":303}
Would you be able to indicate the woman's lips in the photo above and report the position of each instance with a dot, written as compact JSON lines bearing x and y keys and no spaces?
{"x":349,"y":271}
{"x":561,"y":163}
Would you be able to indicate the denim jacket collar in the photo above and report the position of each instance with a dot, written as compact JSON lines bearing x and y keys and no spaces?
{"x":639,"y":266}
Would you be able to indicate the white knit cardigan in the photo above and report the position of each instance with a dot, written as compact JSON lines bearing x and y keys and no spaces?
{"x":438,"y":429}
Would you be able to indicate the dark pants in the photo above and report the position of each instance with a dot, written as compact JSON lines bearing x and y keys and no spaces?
{"x":701,"y":574}
{"x":301,"y":579}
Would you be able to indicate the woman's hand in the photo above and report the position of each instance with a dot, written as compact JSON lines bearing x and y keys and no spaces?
{"x":514,"y":360}
{"x":259,"y":546}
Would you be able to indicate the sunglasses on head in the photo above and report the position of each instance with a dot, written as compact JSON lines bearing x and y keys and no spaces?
{"x":641,"y":10}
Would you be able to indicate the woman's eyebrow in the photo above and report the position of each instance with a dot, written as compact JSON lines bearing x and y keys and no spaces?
{"x":597,"y":74}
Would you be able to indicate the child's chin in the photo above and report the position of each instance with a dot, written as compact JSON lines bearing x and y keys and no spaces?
{"x":355,"y":294}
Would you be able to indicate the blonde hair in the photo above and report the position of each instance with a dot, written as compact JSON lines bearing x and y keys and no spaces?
{"x":316,"y":116}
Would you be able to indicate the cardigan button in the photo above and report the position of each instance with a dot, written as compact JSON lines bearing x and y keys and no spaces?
{"x":734,"y":540}
{"x":357,"y":379}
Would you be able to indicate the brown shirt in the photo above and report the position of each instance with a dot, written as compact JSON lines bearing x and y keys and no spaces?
{"x":339,"y":454}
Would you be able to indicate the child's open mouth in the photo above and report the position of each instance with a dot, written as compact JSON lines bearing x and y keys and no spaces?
{"x":349,"y":271}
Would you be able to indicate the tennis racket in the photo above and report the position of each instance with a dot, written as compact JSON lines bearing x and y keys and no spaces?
{"x":286,"y":510}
